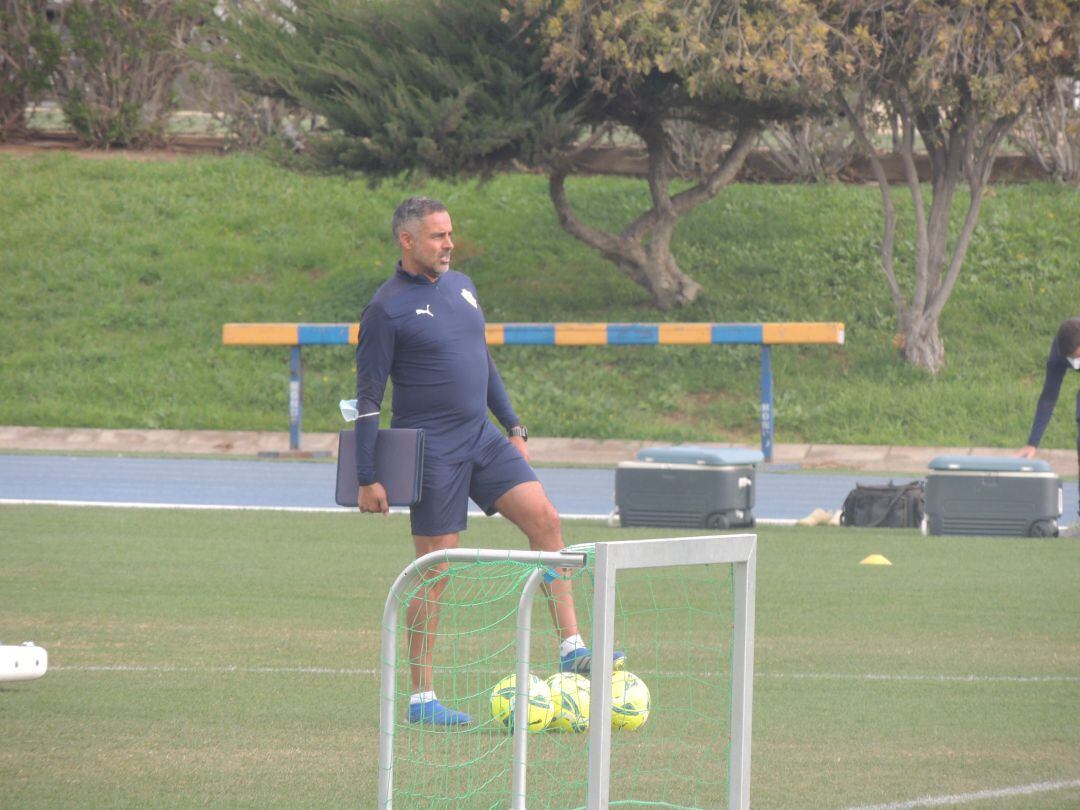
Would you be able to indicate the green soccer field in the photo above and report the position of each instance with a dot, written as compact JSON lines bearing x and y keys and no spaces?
{"x":229,"y":659}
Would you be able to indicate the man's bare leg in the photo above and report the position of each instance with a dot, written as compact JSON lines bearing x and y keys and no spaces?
{"x":422,"y":614}
{"x":527,"y":507}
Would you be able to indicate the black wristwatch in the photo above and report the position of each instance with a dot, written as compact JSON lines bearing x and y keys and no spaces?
{"x":518,"y":430}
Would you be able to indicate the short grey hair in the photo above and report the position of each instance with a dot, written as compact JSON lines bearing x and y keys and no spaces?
{"x":413,"y":209}
{"x":1068,"y":337}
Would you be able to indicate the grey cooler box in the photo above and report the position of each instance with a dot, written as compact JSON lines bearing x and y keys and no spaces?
{"x":992,"y":495}
{"x":687,"y":487}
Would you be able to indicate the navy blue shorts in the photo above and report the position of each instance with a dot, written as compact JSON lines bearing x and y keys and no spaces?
{"x":494,"y":470}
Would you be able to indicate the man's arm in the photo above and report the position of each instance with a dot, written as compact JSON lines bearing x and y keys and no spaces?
{"x":498,"y":402}
{"x":374,"y":358}
{"x":1044,"y":409}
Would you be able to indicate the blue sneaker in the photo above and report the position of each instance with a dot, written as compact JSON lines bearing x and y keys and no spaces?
{"x":580,"y":661}
{"x":433,"y":713}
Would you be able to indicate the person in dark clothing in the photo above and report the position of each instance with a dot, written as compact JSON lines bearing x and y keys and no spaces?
{"x":1064,"y":356}
{"x":424,"y":329}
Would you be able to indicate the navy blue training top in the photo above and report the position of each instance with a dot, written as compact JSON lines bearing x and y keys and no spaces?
{"x":1056,"y":366}
{"x":428,"y":338}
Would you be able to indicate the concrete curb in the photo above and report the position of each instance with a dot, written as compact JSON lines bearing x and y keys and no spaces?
{"x":589,"y":452}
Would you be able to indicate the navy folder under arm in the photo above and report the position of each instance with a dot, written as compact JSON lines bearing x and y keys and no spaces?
{"x":399,"y":466}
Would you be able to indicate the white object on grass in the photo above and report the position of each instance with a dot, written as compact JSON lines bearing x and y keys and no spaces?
{"x":22,"y":662}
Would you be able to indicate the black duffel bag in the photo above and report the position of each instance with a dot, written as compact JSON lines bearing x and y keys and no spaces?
{"x":898,"y":506}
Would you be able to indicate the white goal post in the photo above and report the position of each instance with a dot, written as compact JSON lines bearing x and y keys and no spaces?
{"x":739,"y":550}
{"x":413,"y":573}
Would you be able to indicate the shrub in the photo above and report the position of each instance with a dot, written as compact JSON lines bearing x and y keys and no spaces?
{"x":1050,"y":133}
{"x":250,"y":119}
{"x":28,"y":51}
{"x":118,"y":65}
{"x":810,"y":149}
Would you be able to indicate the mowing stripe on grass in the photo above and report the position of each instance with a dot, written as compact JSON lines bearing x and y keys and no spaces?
{"x":149,"y":505}
{"x":870,"y":676}
{"x":395,"y":510}
{"x":359,"y":671}
{"x":977,"y":796}
{"x":212,"y":670}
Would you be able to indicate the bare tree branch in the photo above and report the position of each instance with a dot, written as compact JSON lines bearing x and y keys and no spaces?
{"x":888,"y":238}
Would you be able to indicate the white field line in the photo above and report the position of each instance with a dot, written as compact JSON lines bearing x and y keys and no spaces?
{"x":916,"y":678}
{"x":145,"y":505}
{"x":340,"y":510}
{"x":210,"y":670}
{"x":977,"y":796}
{"x":222,"y":670}
{"x":335,"y":510}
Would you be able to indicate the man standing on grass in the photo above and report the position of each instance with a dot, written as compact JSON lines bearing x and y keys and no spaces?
{"x":1064,"y":356}
{"x":424,"y":330}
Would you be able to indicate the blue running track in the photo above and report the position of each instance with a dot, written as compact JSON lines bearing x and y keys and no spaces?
{"x":781,"y":494}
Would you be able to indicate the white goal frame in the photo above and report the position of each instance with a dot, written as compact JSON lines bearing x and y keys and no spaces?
{"x":739,"y":550}
{"x":414,"y":572}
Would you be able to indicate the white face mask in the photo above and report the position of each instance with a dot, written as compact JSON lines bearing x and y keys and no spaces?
{"x":1074,"y":362}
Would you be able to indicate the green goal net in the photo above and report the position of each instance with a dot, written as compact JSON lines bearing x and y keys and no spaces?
{"x":455,"y":628}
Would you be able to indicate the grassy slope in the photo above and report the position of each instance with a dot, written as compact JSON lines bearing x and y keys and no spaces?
{"x":117,"y":276}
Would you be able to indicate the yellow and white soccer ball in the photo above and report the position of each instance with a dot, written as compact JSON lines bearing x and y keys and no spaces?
{"x":541,"y":708}
{"x":570,"y":697}
{"x":630,"y":701}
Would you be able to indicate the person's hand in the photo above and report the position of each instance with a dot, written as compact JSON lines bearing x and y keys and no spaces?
{"x":521,"y":446}
{"x":1027,"y":451}
{"x":372,"y":498}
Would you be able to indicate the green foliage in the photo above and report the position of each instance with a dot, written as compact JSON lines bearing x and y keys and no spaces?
{"x":980,"y":57}
{"x":443,"y":88}
{"x":1050,"y":133}
{"x":118,"y":64}
{"x":28,"y":52}
{"x":117,"y":277}
{"x":958,"y":75}
{"x":722,"y":58}
{"x":463,"y":88}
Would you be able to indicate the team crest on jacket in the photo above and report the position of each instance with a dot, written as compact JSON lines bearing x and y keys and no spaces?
{"x":468,"y":296}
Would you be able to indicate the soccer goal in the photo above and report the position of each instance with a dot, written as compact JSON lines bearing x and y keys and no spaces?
{"x":681,"y":608}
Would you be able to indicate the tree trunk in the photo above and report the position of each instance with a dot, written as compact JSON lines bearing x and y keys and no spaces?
{"x":922,"y":346}
{"x":669,"y":286}
{"x":959,"y":147}
{"x":642,"y":251}
{"x":646,"y":260}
